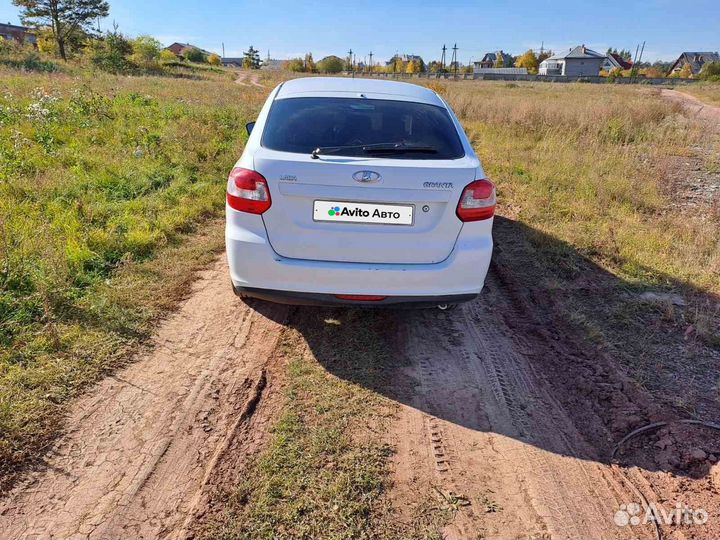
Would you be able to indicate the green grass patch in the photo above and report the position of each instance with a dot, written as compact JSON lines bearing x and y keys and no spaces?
{"x":99,"y":176}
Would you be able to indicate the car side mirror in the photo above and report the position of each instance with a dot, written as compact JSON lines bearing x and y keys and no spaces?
{"x":249,"y":127}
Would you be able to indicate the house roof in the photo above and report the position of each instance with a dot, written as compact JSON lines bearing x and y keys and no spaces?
{"x":177,"y":46}
{"x":404,"y":58}
{"x":581,"y":51}
{"x":696,"y":59}
{"x":492,"y":57}
{"x":15,"y":27}
{"x":625,"y":64}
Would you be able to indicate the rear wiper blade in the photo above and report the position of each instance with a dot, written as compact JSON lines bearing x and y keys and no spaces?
{"x":390,"y":147}
{"x":401,"y":149}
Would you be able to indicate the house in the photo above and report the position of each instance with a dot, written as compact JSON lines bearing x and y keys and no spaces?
{"x":272,"y":64}
{"x":21,"y":34}
{"x":232,"y":62}
{"x":178,"y":49}
{"x":615,"y":61}
{"x":696,"y":60}
{"x":489,"y":60}
{"x":406,"y":59}
{"x":576,"y":62}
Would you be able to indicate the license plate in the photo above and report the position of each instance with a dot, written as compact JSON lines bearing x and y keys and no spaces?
{"x":351,"y":212}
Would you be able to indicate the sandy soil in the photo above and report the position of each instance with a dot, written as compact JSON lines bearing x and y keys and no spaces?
{"x":504,"y":412}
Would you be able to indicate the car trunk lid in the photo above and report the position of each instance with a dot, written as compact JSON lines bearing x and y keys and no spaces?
{"x":306,"y":193}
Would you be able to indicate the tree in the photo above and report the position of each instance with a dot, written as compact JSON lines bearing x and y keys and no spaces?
{"x":528,"y":61}
{"x":309,"y":63}
{"x":214,"y":60}
{"x":499,"y":60}
{"x":397,"y":65}
{"x":710,"y":71}
{"x":544,"y":56}
{"x":251,"y":58}
{"x":685,"y":72}
{"x":331,"y":64}
{"x":146,"y":50}
{"x":111,"y":52}
{"x":435,"y":67}
{"x":413,"y":66}
{"x":64,"y":17}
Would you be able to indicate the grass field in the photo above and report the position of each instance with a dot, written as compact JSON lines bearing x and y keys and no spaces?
{"x":98,"y":175}
{"x":111,"y":189}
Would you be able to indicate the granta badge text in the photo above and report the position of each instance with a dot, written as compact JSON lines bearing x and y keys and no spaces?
{"x":438,"y":185}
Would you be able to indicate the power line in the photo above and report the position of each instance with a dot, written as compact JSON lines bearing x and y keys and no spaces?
{"x":454,"y":58}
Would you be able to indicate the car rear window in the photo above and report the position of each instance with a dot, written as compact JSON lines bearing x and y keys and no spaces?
{"x":301,"y":125}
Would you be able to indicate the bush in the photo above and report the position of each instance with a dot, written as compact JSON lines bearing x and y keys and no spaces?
{"x":168,"y":56}
{"x":214,"y":60}
{"x":295,"y":65}
{"x":330,"y":64}
{"x":194,"y":55}
{"x":710,"y":72}
{"x":616,"y":73}
{"x":23,"y":57}
{"x":111,"y":53}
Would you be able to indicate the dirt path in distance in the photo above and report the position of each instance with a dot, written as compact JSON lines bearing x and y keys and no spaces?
{"x":140,"y":445}
{"x":248,"y":79}
{"x":694,"y":105}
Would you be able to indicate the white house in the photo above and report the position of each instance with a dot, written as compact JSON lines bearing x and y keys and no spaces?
{"x":576,"y":62}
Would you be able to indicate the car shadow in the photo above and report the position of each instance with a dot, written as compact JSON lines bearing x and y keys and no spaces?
{"x":612,"y":355}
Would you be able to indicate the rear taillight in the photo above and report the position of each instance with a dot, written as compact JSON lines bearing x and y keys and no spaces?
{"x":477,"y":201}
{"x":360,"y":297}
{"x":247,"y":191}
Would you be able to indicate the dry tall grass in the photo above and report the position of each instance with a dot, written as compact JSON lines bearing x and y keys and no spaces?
{"x":587,"y":164}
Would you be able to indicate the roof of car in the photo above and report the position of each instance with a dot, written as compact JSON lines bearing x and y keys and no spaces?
{"x":351,"y":87}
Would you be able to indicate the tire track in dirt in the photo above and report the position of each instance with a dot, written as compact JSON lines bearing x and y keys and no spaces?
{"x":484,"y":428}
{"x":140,"y":446}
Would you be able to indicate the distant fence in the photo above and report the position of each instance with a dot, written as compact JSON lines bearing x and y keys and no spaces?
{"x":530,"y":78}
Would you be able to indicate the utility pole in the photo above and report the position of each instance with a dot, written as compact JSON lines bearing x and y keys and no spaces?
{"x":350,"y":60}
{"x":442,"y":58}
{"x":635,"y":69}
{"x":371,"y":65}
{"x":454,"y":58}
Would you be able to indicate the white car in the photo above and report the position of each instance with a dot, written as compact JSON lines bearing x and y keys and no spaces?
{"x":358,"y":191}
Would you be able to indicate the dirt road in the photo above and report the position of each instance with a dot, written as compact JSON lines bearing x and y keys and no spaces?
{"x":139,"y":447}
{"x":248,"y":79}
{"x":502,"y":412}
{"x":702,"y":110}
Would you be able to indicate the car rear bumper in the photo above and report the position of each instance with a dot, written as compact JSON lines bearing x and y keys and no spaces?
{"x":321,"y":299}
{"x":255,"y":266}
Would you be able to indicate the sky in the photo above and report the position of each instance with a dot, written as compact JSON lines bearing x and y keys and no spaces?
{"x":288,"y":28}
